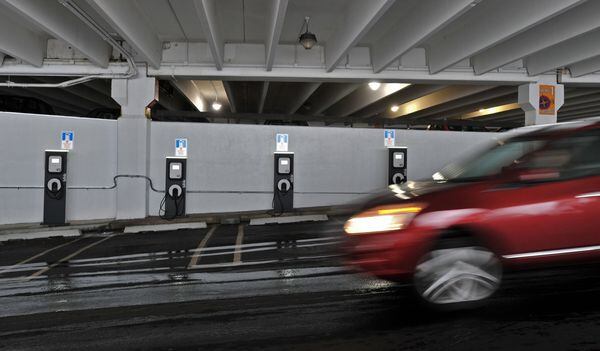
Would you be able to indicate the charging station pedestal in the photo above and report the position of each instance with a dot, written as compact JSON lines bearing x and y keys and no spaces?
{"x":283,"y":192}
{"x":55,"y":186}
{"x":397,"y":161}
{"x":175,"y":180}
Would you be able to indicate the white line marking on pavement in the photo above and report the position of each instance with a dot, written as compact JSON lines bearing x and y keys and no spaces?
{"x":67,"y":258}
{"x":37,"y":256}
{"x":231,"y":264}
{"x":256,"y":263}
{"x":237,"y":256}
{"x":199,"y":249}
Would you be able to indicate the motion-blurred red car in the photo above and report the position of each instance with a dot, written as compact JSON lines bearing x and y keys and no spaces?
{"x":532,"y":199}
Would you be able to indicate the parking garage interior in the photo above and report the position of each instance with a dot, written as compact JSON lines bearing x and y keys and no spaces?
{"x":199,"y":174}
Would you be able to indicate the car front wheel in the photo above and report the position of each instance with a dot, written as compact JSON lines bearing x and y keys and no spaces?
{"x":458,"y":276}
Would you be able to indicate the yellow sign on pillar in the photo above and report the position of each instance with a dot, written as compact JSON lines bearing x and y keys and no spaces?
{"x":547,"y":105}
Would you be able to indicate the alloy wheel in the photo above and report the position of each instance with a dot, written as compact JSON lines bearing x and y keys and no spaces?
{"x":458,"y":275}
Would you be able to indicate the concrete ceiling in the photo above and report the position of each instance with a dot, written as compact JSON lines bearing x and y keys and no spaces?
{"x":480,"y":36}
{"x":249,"y":49}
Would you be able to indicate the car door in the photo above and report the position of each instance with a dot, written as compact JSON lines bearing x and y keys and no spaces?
{"x":552,"y":211}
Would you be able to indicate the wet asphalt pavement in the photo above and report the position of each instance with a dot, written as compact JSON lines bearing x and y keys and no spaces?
{"x":263,"y":287}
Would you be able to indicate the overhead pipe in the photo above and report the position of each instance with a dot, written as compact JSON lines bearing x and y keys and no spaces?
{"x":89,"y":21}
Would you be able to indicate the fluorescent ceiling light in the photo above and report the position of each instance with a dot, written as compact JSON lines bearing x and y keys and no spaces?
{"x":491,"y":110}
{"x":374,"y":85}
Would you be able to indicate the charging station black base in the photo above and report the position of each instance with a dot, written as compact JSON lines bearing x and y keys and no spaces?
{"x":55,"y":187}
{"x":175,"y":179}
{"x":283,"y":184}
{"x":397,"y":162}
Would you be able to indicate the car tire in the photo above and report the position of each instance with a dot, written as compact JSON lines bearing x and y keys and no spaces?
{"x":457,"y":273}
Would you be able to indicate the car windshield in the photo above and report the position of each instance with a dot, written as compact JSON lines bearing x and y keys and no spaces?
{"x":490,"y":162}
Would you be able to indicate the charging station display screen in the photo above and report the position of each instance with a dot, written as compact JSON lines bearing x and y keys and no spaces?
{"x":55,"y":164}
{"x":175,"y":170}
{"x":398,"y":159}
{"x":284,"y":166}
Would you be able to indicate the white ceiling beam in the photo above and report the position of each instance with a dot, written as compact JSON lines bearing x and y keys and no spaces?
{"x":207,"y":14}
{"x":230,"y":96}
{"x":572,"y":23}
{"x":363,"y":97}
{"x":302,"y":95}
{"x":564,"y":54}
{"x":426,"y":18}
{"x":290,"y":74}
{"x":55,"y":19}
{"x":584,"y":67}
{"x":263,"y":97}
{"x":277,"y":17}
{"x":20,"y":42}
{"x":502,"y":20}
{"x":315,"y":74}
{"x":63,"y":68}
{"x":359,"y":17}
{"x":126,"y":19}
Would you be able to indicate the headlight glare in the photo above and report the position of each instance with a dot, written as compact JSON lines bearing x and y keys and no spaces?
{"x":383,"y":219}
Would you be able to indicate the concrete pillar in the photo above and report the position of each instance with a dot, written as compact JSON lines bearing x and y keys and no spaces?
{"x":541,"y":102}
{"x":133,"y":128}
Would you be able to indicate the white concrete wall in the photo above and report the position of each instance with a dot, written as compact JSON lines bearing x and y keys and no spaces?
{"x":92,"y":163}
{"x":338,"y":163}
{"x":332,"y":165}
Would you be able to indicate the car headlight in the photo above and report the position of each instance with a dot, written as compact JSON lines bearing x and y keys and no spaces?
{"x":382,"y":219}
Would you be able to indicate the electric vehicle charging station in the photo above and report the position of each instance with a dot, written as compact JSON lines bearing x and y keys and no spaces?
{"x":175,"y":179}
{"x":55,"y":186}
{"x":397,"y":164}
{"x":283,"y":197}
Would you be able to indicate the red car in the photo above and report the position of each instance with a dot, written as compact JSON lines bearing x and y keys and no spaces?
{"x":531,"y":200}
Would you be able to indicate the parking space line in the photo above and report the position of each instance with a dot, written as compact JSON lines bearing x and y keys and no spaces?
{"x":67,"y":258}
{"x":6,"y":270}
{"x":198,"y":251}
{"x":237,"y":255}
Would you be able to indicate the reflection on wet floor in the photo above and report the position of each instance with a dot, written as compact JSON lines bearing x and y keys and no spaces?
{"x":161,"y":257}
{"x":138,"y":288}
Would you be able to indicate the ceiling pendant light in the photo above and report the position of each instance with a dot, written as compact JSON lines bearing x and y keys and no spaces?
{"x":307,"y":39}
{"x":216,"y":105}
